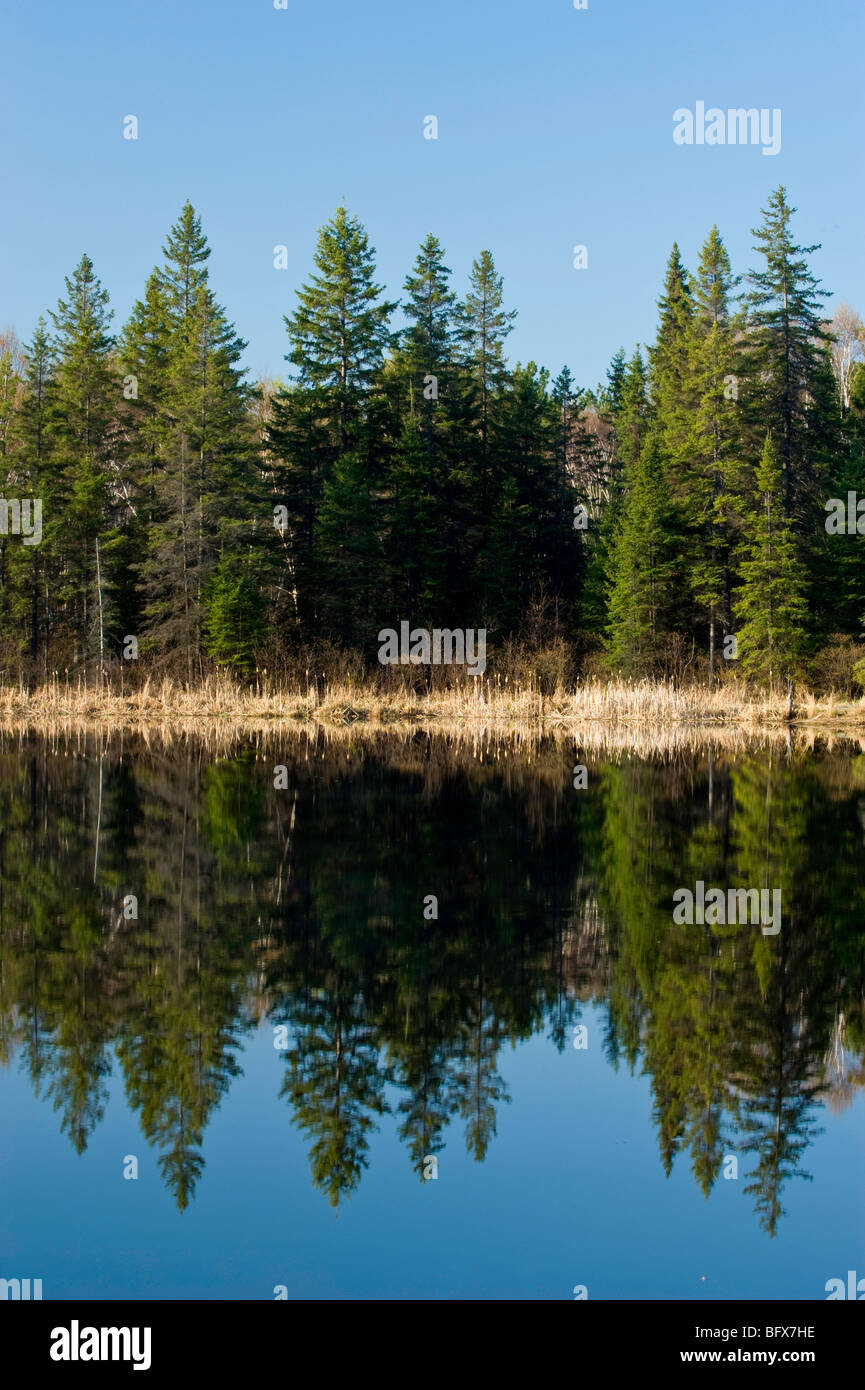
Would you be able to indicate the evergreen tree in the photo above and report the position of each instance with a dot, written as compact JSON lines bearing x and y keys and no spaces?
{"x":339,"y":332}
{"x":338,"y":337}
{"x":429,"y":343}
{"x":86,"y":504}
{"x":789,"y":372}
{"x":770,"y":605}
{"x":194,"y":455}
{"x":616,"y":382}
{"x":713,"y":437}
{"x":643,"y":569}
{"x":438,"y":400}
{"x":184,"y":272}
{"x":485,"y":325}
{"x":669,"y":375}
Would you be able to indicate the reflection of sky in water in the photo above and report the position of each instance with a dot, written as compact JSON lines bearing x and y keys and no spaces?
{"x":571,"y":1191}
{"x":307,"y":903}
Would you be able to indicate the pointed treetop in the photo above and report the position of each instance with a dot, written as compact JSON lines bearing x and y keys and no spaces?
{"x":185,"y":251}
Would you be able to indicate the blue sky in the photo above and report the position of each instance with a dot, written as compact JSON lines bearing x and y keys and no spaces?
{"x":555,"y":128}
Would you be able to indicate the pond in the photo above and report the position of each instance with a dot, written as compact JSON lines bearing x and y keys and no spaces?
{"x":355,"y":1015}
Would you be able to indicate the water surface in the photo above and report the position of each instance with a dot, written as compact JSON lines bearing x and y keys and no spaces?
{"x":411,"y":1018}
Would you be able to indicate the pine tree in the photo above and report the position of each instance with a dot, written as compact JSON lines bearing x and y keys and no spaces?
{"x":35,"y":570}
{"x":616,"y":382}
{"x":326,"y":430}
{"x":626,"y":408}
{"x":428,"y":345}
{"x":485,"y":325}
{"x":12,"y":473}
{"x":348,"y":535}
{"x":643,"y":569}
{"x":340,"y":331}
{"x":234,"y":615}
{"x":789,"y":372}
{"x":84,"y":438}
{"x":713,"y":436}
{"x":437,"y":396}
{"x":197,"y":447}
{"x":635,"y":414}
{"x":578,"y":481}
{"x":770,"y":606}
{"x":416,"y":545}
{"x":533,"y":545}
{"x":184,"y":272}
{"x":669,"y":365}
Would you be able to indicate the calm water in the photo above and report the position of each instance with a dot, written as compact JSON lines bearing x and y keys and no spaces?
{"x":243,"y":990}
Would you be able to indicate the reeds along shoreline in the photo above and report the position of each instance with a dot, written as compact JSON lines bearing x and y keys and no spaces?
{"x":637,"y":705}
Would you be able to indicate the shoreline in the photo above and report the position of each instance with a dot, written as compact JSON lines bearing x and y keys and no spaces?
{"x":612,"y":708}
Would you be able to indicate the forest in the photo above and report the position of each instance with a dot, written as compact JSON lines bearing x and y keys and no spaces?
{"x":672,"y":522}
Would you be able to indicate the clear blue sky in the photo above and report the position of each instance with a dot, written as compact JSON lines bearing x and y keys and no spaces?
{"x":555,"y":128}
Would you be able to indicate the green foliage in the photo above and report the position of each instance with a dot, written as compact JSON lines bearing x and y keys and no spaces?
{"x":415,"y":473}
{"x":770,"y":605}
{"x":234,"y":618}
{"x":644,"y":566}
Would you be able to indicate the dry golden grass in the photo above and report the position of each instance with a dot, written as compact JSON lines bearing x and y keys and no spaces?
{"x":616,"y":704}
{"x":636,"y":704}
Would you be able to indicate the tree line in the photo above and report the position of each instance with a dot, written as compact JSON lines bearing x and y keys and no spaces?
{"x":671,"y":519}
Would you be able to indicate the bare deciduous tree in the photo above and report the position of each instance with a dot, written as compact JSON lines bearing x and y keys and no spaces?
{"x":847,"y":349}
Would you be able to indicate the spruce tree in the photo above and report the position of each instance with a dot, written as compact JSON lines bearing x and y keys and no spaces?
{"x":770,"y":606}
{"x":669,"y":365}
{"x":437,"y":397}
{"x":194,"y":455}
{"x":340,"y":330}
{"x":36,"y":567}
{"x":86,"y":506}
{"x":789,"y":373}
{"x":525,"y":515}
{"x":184,"y":271}
{"x":644,"y":569}
{"x":485,"y":326}
{"x":326,"y":433}
{"x":616,"y":382}
{"x":713,"y":437}
{"x":428,"y":344}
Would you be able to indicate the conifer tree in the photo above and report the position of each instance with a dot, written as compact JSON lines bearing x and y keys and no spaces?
{"x":428,"y":345}
{"x":194,"y":454}
{"x":635,"y":414}
{"x":485,"y":325}
{"x":616,"y":381}
{"x":625,"y":404}
{"x":713,"y":437}
{"x":85,"y":505}
{"x":770,"y":605}
{"x":577,"y":482}
{"x":418,"y":577}
{"x":644,"y":567}
{"x":788,"y":364}
{"x":340,"y":331}
{"x":184,"y":272}
{"x":438,"y":399}
{"x":669,"y":366}
{"x":338,"y":337}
